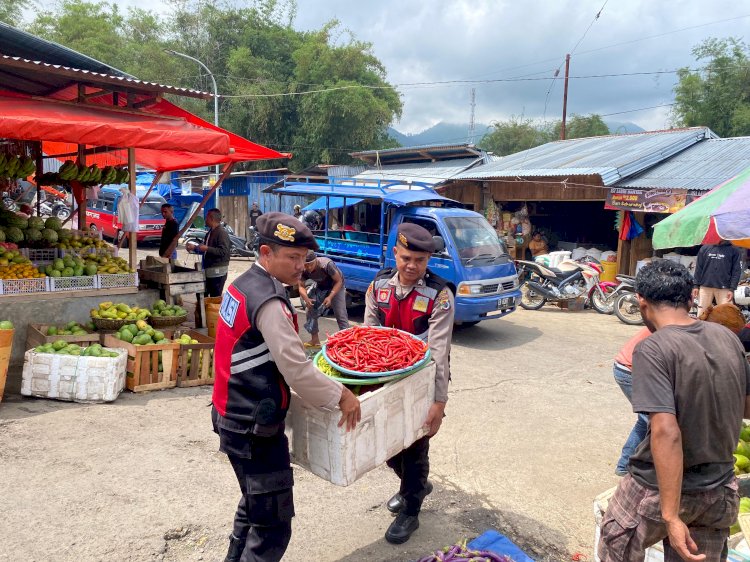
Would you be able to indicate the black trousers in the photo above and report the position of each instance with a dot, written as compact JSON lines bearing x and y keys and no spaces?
{"x":215,"y":286}
{"x":412,"y":466}
{"x":265,"y":510}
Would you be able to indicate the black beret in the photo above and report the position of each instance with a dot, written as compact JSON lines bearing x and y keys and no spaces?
{"x":415,"y":238}
{"x":285,"y":230}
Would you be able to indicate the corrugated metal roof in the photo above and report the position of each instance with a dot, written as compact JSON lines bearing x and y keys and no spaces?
{"x":27,"y":76}
{"x":701,"y":167}
{"x":416,"y":154}
{"x":612,"y":157}
{"x":432,"y":173}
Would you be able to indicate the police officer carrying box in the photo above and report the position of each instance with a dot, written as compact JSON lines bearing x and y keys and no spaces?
{"x":413,"y":299}
{"x":258,"y":356}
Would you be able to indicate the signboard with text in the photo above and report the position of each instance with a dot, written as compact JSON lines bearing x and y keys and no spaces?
{"x":646,"y":200}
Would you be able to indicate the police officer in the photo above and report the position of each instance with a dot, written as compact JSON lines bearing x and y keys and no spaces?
{"x":258,"y":357}
{"x":412,"y":298}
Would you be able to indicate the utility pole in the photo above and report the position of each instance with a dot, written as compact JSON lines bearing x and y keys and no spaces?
{"x":565,"y":97}
{"x":472,"y":124}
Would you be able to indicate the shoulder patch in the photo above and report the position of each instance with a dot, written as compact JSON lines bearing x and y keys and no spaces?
{"x":384,"y":295}
{"x":443,"y":300}
{"x":370,"y":288}
{"x":288,"y":314}
{"x":229,"y":307}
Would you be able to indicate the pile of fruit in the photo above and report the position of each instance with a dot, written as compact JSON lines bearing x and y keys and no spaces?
{"x":108,"y":264}
{"x":6,"y":325}
{"x":34,"y":232}
{"x":161,"y":309}
{"x":140,"y":333}
{"x":13,"y":265}
{"x":72,"y":328}
{"x":119,"y":311}
{"x":61,"y":347}
{"x":83,"y":244}
{"x":69,"y":267}
{"x":16,"y":167}
{"x":185,"y":339}
{"x":87,"y":175}
{"x":742,"y":452}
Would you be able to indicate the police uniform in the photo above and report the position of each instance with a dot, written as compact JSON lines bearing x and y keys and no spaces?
{"x":425,"y":309}
{"x":258,"y":356}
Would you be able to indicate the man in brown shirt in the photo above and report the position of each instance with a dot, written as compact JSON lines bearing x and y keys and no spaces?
{"x":693,"y":381}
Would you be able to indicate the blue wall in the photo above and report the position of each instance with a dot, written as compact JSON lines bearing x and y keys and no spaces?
{"x":253,"y":186}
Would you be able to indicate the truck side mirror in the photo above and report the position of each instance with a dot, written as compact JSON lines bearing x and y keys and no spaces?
{"x":439,"y":244}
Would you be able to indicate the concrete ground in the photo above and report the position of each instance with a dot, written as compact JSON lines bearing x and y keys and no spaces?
{"x":534,"y":428}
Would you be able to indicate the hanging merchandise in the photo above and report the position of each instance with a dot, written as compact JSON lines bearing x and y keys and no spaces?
{"x":127,"y":211}
{"x":630,"y":228}
{"x":491,"y":212}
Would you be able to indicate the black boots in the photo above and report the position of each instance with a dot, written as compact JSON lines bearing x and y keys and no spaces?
{"x":236,"y":546}
{"x":396,"y":503}
{"x":402,"y":528}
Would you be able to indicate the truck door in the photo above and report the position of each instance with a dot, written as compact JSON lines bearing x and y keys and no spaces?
{"x":440,"y":262}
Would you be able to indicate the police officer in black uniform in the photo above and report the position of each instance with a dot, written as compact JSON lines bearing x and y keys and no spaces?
{"x":412,"y":298}
{"x":258,"y":356}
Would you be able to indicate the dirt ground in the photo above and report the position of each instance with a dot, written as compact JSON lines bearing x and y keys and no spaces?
{"x":534,"y":428}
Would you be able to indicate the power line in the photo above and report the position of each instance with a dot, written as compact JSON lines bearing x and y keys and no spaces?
{"x":596,"y":17}
{"x":634,"y":110}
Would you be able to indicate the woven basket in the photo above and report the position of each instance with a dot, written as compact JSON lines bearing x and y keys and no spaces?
{"x":109,"y":323}
{"x":166,"y":321}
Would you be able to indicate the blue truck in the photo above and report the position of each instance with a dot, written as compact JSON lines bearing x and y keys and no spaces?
{"x":358,"y":232}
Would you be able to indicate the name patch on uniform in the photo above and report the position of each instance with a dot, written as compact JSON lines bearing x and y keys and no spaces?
{"x":420,"y":304}
{"x":229,"y":307}
{"x":443,"y":300}
{"x":384,"y":295}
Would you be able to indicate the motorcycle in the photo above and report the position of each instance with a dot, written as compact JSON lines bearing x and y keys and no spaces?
{"x":628,"y":310}
{"x":569,"y":281}
{"x":56,"y":209}
{"x":604,"y":301}
{"x":240,"y":248}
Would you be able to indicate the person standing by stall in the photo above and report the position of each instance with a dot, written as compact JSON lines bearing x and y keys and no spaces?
{"x":718,"y":269}
{"x":169,"y":232}
{"x":216,"y":251}
{"x":254,"y":214}
{"x":412,"y":298}
{"x":298,"y":212}
{"x":258,"y":357}
{"x":329,"y":292}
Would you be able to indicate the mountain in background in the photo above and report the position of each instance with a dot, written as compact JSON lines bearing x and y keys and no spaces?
{"x":453,"y":133}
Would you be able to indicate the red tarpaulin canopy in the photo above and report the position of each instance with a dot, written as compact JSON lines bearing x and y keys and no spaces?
{"x":37,"y":120}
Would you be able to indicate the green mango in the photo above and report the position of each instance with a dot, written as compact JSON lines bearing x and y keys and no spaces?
{"x":52,"y":331}
{"x":59,"y":344}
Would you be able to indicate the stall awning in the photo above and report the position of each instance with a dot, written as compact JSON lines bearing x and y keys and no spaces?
{"x":33,"y":119}
{"x":333,"y":203}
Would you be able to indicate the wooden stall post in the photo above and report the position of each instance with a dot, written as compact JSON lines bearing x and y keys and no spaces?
{"x":82,"y":205}
{"x":39,"y":171}
{"x":133,"y":246}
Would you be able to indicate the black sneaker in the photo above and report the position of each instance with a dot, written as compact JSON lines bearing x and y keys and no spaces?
{"x":401,"y":529}
{"x":236,"y":546}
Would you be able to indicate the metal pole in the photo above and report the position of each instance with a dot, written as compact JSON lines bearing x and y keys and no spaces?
{"x":565,"y":98}
{"x":216,"y":102}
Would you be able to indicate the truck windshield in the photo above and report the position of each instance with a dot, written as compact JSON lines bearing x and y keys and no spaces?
{"x":151,"y":207}
{"x":475,"y":239}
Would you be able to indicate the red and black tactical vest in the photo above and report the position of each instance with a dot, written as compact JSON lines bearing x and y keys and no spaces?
{"x":248,"y":387}
{"x":412,"y":313}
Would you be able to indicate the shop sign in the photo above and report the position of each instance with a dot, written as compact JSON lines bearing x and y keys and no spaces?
{"x":646,"y":200}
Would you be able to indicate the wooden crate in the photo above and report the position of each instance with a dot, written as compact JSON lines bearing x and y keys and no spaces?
{"x":143,"y":364}
{"x":199,"y":370}
{"x":36,"y":334}
{"x":169,"y":274}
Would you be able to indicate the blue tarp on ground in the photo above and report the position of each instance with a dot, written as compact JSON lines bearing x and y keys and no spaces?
{"x":496,"y":543}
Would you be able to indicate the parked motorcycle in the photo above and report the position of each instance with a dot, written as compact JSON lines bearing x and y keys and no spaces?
{"x":240,"y":248}
{"x":57,"y":209}
{"x":604,"y":301}
{"x":568,"y":281}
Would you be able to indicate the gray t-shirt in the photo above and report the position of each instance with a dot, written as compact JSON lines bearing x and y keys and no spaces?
{"x":700,"y":374}
{"x":322,"y":274}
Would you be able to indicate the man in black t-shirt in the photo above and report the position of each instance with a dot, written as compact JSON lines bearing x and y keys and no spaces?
{"x":254,"y":213}
{"x":692,"y":380}
{"x":169,"y":231}
{"x":329,"y":292}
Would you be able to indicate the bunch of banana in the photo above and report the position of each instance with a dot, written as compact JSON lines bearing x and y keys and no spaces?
{"x":15,"y":167}
{"x":68,"y":171}
{"x":109,"y":174}
{"x":123,"y":176}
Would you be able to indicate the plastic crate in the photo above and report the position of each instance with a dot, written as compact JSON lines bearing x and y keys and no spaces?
{"x":392,"y":419}
{"x":38,"y":255}
{"x":82,"y":283}
{"x":23,"y":286}
{"x":112,"y":280}
{"x":72,"y":377}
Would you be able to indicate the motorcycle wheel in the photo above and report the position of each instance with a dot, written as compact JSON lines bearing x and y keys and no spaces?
{"x":192,"y":241}
{"x":627,"y":309}
{"x":603,"y":304}
{"x":531,"y":300}
{"x":62,"y":213}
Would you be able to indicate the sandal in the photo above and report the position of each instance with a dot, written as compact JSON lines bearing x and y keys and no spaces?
{"x":309,"y":345}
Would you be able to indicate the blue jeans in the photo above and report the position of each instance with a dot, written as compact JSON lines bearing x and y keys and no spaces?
{"x":624,"y":379}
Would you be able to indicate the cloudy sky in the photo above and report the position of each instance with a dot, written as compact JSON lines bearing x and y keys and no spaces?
{"x":495,"y":40}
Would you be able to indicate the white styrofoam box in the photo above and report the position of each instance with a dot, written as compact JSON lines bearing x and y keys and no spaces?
{"x":74,"y":378}
{"x":392,"y":419}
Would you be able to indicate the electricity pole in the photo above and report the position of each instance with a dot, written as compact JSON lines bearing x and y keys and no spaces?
{"x":565,"y":97}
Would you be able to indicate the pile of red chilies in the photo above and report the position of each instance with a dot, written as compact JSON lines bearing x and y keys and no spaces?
{"x":374,"y":350}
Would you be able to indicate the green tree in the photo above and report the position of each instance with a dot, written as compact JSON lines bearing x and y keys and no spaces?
{"x":717,"y":96}
{"x":514,"y":135}
{"x":581,"y":126}
{"x":11,"y":11}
